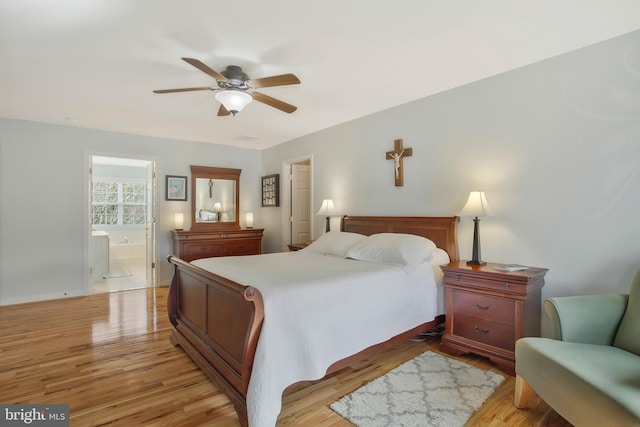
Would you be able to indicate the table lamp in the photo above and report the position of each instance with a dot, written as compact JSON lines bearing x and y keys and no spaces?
{"x":328,"y":210}
{"x":476,"y":207}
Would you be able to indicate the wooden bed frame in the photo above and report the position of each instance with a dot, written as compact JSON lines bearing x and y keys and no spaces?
{"x":217,"y":322}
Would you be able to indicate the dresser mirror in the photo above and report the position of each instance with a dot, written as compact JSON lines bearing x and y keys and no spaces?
{"x":215,"y":194}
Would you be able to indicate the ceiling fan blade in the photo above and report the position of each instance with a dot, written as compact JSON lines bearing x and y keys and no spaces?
{"x":204,"y":68}
{"x":276,"y":103}
{"x":184,"y":89}
{"x":223,"y":111}
{"x":281,"y":80}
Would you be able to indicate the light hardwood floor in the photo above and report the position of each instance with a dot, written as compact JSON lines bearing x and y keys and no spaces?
{"x":108,"y":356}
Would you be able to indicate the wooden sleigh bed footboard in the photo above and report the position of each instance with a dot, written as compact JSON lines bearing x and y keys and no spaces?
{"x":217,"y":322}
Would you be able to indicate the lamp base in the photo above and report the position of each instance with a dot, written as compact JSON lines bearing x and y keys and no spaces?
{"x":475,"y":257}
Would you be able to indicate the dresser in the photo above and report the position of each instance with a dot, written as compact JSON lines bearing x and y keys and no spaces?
{"x":487,"y":310}
{"x":190,"y":245}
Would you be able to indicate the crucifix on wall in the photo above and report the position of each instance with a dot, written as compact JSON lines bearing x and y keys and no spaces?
{"x":397,"y":155}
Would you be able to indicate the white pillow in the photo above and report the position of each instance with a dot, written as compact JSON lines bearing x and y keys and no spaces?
{"x":406,"y":250}
{"x":440,"y":257}
{"x":335,"y":243}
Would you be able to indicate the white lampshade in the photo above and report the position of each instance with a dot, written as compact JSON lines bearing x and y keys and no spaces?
{"x":327,"y":208}
{"x":249,"y":219}
{"x":233,"y":100}
{"x":476,"y":205}
{"x":178,"y":220}
{"x":217,"y":207}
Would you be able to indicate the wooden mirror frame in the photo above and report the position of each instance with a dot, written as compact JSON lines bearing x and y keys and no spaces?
{"x":208,"y":172}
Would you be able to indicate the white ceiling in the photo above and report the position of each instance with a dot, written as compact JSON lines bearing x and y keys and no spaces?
{"x":95,"y":63}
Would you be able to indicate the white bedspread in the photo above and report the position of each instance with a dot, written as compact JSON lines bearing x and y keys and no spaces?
{"x":320,"y":309}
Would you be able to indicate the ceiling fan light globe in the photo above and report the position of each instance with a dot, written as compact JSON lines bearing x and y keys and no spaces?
{"x":233,"y":100}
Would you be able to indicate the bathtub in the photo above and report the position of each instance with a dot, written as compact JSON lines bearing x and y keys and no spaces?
{"x":124,"y":255}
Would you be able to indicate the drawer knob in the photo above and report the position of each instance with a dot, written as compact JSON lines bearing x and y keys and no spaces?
{"x":481,"y":331}
{"x":203,"y":248}
{"x":482,"y":307}
{"x":506,"y":285}
{"x":458,"y":278}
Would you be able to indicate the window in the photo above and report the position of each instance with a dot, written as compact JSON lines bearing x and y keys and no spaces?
{"x":118,"y":202}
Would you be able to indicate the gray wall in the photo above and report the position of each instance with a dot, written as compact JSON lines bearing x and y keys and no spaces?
{"x":555,"y":146}
{"x":43,"y":194}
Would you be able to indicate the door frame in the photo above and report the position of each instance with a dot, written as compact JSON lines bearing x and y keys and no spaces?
{"x":286,"y":196}
{"x":87,"y":241}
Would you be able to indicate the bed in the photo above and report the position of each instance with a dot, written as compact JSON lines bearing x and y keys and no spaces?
{"x":219,"y":318}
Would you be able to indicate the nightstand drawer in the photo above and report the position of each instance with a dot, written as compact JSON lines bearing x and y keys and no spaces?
{"x":480,"y":330}
{"x":202,"y":250}
{"x":243,"y":247}
{"x":484,"y":307}
{"x":488,"y":284}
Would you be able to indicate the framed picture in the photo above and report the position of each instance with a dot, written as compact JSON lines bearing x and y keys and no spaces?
{"x":176,"y":188}
{"x":271,"y":190}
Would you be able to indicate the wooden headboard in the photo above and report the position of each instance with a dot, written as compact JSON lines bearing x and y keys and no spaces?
{"x":441,"y":230}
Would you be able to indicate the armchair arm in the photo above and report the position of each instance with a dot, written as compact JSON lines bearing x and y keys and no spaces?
{"x":589,"y":319}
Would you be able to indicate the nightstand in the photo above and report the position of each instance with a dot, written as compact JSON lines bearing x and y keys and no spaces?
{"x":297,"y":246}
{"x":487,"y":310}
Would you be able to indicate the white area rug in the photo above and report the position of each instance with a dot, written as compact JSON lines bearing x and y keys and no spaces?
{"x":429,"y":390}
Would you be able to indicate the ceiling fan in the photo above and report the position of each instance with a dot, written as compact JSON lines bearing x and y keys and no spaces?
{"x":236,"y":89}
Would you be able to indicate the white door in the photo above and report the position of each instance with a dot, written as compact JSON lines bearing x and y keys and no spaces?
{"x":300,"y":203}
{"x":150,"y":228}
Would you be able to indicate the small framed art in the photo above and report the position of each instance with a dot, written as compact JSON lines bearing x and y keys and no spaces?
{"x":271,"y":190}
{"x":176,"y":188}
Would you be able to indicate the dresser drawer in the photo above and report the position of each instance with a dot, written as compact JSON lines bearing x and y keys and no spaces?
{"x":485,"y":307}
{"x":192,"y":245}
{"x":202,"y":250}
{"x":242,"y":247}
{"x":485,"y":331}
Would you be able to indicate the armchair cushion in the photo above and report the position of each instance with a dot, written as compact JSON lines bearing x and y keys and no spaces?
{"x":589,"y":319}
{"x":628,"y":336}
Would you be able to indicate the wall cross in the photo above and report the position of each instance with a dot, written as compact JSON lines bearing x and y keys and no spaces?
{"x":397,"y":155}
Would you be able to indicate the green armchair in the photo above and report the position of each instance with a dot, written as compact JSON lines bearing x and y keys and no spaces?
{"x":590,"y":372}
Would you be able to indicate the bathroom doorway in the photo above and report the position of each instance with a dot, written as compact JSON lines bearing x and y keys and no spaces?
{"x":122,"y":224}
